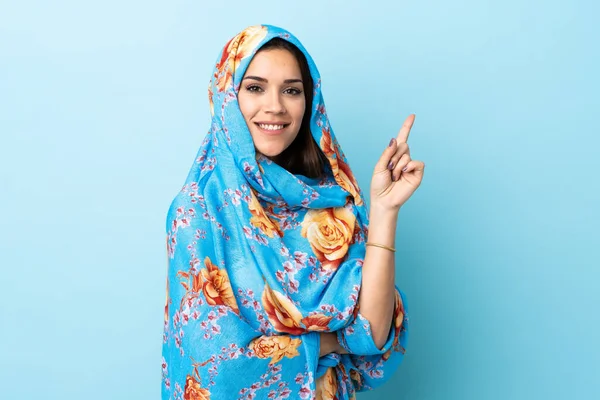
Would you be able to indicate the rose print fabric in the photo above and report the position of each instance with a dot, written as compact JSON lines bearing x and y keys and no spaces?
{"x":262,"y":261}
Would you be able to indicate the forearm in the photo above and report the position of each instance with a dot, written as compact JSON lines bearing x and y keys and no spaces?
{"x":376,"y":298}
{"x":329,"y":344}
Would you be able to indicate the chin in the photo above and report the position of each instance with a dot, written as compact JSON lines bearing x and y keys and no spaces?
{"x":272,"y":151}
{"x":270,"y":154}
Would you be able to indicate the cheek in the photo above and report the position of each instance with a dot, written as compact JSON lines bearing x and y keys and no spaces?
{"x":299,"y":112}
{"x":245,"y":106}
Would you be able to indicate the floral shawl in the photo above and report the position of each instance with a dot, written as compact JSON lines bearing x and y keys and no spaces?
{"x":261,"y":261}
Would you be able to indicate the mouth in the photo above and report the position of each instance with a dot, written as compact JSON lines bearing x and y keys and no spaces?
{"x":271,"y":128}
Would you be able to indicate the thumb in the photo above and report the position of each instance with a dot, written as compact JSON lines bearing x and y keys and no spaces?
{"x":388,"y":153}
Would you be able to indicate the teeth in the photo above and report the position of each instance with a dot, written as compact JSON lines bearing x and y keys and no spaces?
{"x":270,"y":127}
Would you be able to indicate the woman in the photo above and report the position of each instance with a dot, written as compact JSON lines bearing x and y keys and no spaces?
{"x":270,"y":258}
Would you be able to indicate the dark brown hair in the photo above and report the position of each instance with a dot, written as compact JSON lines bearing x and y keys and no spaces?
{"x":303,"y":156}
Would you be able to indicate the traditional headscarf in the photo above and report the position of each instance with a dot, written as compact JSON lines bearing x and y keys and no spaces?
{"x":261,"y":261}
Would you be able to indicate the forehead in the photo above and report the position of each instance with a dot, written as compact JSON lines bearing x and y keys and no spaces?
{"x":274,"y":63}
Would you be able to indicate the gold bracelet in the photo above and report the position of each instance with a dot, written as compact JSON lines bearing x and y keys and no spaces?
{"x":382,"y":246}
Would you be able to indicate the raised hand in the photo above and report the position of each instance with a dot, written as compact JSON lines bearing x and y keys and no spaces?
{"x":396,"y":175}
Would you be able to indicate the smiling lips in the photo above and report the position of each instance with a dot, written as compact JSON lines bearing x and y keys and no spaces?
{"x":270,"y":128}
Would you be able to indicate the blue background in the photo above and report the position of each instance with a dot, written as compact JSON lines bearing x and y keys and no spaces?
{"x":103,"y":106}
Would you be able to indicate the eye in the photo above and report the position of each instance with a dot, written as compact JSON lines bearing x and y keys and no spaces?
{"x":293,"y":91}
{"x":253,"y":88}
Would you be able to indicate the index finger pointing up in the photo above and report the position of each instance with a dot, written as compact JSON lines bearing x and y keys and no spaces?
{"x":405,"y":130}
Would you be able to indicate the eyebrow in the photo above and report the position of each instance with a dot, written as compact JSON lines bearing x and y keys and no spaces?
{"x":258,"y":78}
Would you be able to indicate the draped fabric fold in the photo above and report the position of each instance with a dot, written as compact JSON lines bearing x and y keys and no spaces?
{"x":262,"y":261}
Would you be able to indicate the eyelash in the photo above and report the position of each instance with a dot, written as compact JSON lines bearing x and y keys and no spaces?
{"x":253,"y":88}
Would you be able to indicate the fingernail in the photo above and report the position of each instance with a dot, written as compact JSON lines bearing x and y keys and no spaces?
{"x":392,"y":142}
{"x":391,"y":165}
{"x":404,"y":169}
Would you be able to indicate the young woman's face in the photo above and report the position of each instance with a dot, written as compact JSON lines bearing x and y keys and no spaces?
{"x":271,"y":98}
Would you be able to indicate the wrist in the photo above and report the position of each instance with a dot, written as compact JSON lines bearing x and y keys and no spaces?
{"x":381,"y":211}
{"x":382,"y":225}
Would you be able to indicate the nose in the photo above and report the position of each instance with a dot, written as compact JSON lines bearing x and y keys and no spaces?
{"x":274,"y":103}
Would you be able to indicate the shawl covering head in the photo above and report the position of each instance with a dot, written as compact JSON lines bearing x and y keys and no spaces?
{"x":261,"y":261}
